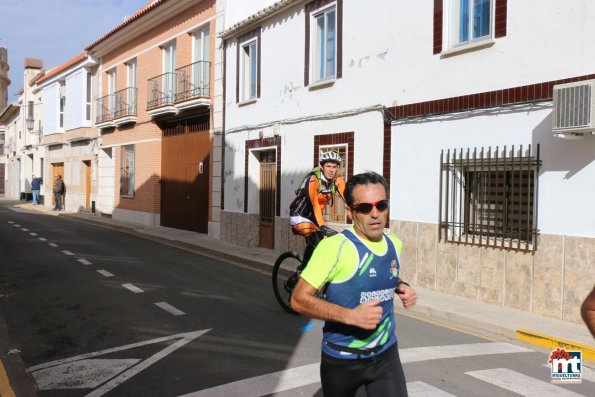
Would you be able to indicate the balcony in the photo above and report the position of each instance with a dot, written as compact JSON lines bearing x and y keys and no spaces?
{"x":187,"y":88}
{"x":117,"y":109}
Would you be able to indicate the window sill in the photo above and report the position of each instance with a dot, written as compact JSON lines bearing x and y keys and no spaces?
{"x":322,"y":84}
{"x":128,"y":196}
{"x":247,"y":102}
{"x":474,"y":46}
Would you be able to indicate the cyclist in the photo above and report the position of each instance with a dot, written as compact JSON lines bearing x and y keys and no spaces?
{"x":314,"y":194}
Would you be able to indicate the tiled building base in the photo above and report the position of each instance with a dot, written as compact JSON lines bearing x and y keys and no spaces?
{"x":552,"y":282}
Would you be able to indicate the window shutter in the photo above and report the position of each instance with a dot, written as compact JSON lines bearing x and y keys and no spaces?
{"x":501,"y":14}
{"x":437,"y":48}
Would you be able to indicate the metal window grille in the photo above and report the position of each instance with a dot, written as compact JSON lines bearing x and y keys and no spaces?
{"x":488,"y":197}
{"x":127,"y":171}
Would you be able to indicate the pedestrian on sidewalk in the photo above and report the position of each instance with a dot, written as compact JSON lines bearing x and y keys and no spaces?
{"x":58,"y":191}
{"x":35,"y":188}
{"x":357,"y":270}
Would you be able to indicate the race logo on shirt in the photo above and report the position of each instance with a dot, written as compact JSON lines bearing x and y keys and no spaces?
{"x":394,"y":270}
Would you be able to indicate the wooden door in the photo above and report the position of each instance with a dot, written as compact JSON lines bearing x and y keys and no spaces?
{"x":87,"y":168}
{"x":267,"y":195}
{"x":185,"y":174}
{"x":57,"y":169}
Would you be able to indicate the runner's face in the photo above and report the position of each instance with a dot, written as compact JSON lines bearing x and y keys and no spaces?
{"x":368,"y":226}
{"x":329,"y":170}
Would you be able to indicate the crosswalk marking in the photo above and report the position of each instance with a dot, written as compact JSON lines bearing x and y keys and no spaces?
{"x":132,"y":288}
{"x":448,"y":351}
{"x":309,"y":374}
{"x":422,"y":389}
{"x":520,"y":383}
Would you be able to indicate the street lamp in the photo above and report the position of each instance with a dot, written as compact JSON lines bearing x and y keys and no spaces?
{"x":29,"y":122}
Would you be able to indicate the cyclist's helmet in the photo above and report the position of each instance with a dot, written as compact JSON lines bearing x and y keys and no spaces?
{"x":330,"y":156}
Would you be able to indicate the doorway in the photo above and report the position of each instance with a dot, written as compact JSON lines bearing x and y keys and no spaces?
{"x":58,"y":169}
{"x":267,"y":193}
{"x":87,"y":170}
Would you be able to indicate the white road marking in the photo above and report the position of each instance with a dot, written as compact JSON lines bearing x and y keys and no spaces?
{"x":105,"y":273}
{"x":16,"y":225}
{"x":85,"y":262}
{"x":24,"y":229}
{"x":83,"y":374}
{"x":42,"y":239}
{"x":66,"y":252}
{"x":53,"y":245}
{"x":421,"y":389}
{"x":81,"y":369}
{"x":33,"y":234}
{"x":309,"y":374}
{"x":587,"y":373}
{"x":169,"y":308}
{"x":10,"y":222}
{"x":520,"y":383}
{"x":450,"y":351}
{"x":132,"y":288}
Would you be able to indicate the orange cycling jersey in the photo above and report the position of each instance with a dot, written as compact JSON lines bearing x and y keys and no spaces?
{"x":316,"y":193}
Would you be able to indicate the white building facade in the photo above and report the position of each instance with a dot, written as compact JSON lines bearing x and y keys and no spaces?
{"x":482,"y":215}
{"x":409,"y":96}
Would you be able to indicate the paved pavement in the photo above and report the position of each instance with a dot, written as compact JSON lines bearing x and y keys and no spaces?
{"x":488,"y":320}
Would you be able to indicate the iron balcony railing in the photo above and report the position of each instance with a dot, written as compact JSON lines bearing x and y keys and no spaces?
{"x":161,"y":90}
{"x":188,"y":82}
{"x":104,"y":108}
{"x":125,"y":102}
{"x":193,"y":81}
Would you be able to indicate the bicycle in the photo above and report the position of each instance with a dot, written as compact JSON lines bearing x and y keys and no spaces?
{"x":286,"y":273}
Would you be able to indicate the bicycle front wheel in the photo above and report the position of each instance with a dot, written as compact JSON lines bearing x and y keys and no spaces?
{"x":286,"y":274}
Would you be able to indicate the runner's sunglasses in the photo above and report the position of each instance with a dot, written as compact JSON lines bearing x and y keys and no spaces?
{"x":366,"y":208}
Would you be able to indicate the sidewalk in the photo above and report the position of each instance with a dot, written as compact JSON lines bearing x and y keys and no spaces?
{"x":474,"y":316}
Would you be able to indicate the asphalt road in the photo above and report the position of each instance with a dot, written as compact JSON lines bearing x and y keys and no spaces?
{"x":98,"y":312}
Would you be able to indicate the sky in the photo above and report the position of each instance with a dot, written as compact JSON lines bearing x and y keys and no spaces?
{"x":55,"y":31}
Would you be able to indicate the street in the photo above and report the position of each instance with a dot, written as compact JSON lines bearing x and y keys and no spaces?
{"x":97,"y":312}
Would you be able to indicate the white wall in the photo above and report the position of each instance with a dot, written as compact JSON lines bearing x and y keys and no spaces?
{"x":75,"y":100}
{"x":566,"y":178}
{"x":51,"y":115}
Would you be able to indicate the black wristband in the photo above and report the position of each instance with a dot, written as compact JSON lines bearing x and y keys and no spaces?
{"x":399,"y":282}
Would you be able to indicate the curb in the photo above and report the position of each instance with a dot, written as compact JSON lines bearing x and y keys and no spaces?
{"x":5,"y":389}
{"x":552,"y":342}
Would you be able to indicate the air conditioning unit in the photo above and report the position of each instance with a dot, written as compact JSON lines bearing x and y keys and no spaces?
{"x":574,"y":110}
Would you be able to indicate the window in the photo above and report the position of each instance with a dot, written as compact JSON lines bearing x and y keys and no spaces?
{"x":88,"y":98}
{"x":323,"y":41}
{"x":62,"y":106}
{"x":127,"y":171}
{"x":471,"y":21}
{"x":30,"y":109}
{"x":112,"y":79}
{"x":336,"y":212}
{"x":248,"y":71}
{"x":131,"y":88}
{"x":488,"y":197}
{"x":169,"y":72}
{"x":201,"y":66}
{"x":324,"y":45}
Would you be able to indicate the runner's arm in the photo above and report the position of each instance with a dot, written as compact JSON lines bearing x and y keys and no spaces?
{"x":303,"y":300}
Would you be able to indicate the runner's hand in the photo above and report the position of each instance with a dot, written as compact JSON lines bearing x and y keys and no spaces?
{"x":367,"y":315}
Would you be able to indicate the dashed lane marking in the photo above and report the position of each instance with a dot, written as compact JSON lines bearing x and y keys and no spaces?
{"x":85,"y":262}
{"x":53,"y":245}
{"x":105,"y":273}
{"x":24,"y":229}
{"x":42,"y":239}
{"x":132,"y":288}
{"x":66,"y":252}
{"x":169,"y":308}
{"x":33,"y":234}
